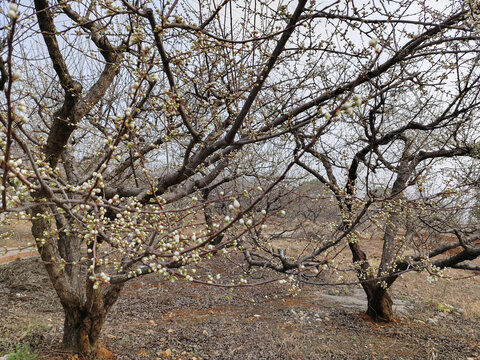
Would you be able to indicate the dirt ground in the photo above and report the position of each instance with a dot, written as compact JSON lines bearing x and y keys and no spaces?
{"x":158,"y":320}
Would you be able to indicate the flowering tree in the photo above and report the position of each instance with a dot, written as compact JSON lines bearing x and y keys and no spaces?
{"x":119,"y":118}
{"x":115,"y":112}
{"x":392,"y":158}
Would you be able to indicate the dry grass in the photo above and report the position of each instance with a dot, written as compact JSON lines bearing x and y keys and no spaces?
{"x":460,"y":290}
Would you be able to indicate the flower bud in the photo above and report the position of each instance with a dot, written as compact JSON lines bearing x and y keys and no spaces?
{"x":13,"y":10}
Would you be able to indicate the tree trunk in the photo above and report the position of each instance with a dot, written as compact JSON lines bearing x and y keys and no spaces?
{"x":208,"y":214}
{"x":395,"y":219}
{"x":380,"y":304}
{"x":81,"y":330}
{"x":83,"y":324}
{"x":85,"y":308}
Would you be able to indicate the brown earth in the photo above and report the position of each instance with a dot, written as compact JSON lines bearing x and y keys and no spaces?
{"x":13,"y":255}
{"x":155,"y":319}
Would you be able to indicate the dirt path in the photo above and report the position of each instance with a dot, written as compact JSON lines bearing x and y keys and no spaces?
{"x":13,"y":253}
{"x":356,"y":299}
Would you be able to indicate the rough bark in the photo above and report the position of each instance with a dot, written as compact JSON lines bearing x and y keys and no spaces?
{"x":85,"y":308}
{"x":81,"y":330}
{"x":380,"y":304}
{"x":84,"y":322}
{"x":396,"y":218}
{"x":208,"y":214}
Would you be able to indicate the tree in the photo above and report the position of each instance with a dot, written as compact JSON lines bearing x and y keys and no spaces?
{"x":396,"y":134}
{"x":116,"y":115}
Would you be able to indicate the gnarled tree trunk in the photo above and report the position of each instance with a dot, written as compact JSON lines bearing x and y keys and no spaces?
{"x":81,"y":330}
{"x":380,"y":304}
{"x":85,"y":308}
{"x":83,"y":322}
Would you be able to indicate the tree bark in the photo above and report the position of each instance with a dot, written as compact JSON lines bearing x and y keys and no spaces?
{"x":81,"y":330}
{"x":208,"y":214}
{"x":83,"y":323}
{"x":395,"y":219}
{"x":380,"y":304}
{"x":85,"y":308}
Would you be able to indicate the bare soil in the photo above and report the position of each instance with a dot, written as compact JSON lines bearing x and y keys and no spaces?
{"x":20,"y":234}
{"x":155,"y":319}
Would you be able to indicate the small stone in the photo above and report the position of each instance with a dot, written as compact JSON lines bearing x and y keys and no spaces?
{"x":167,"y":353}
